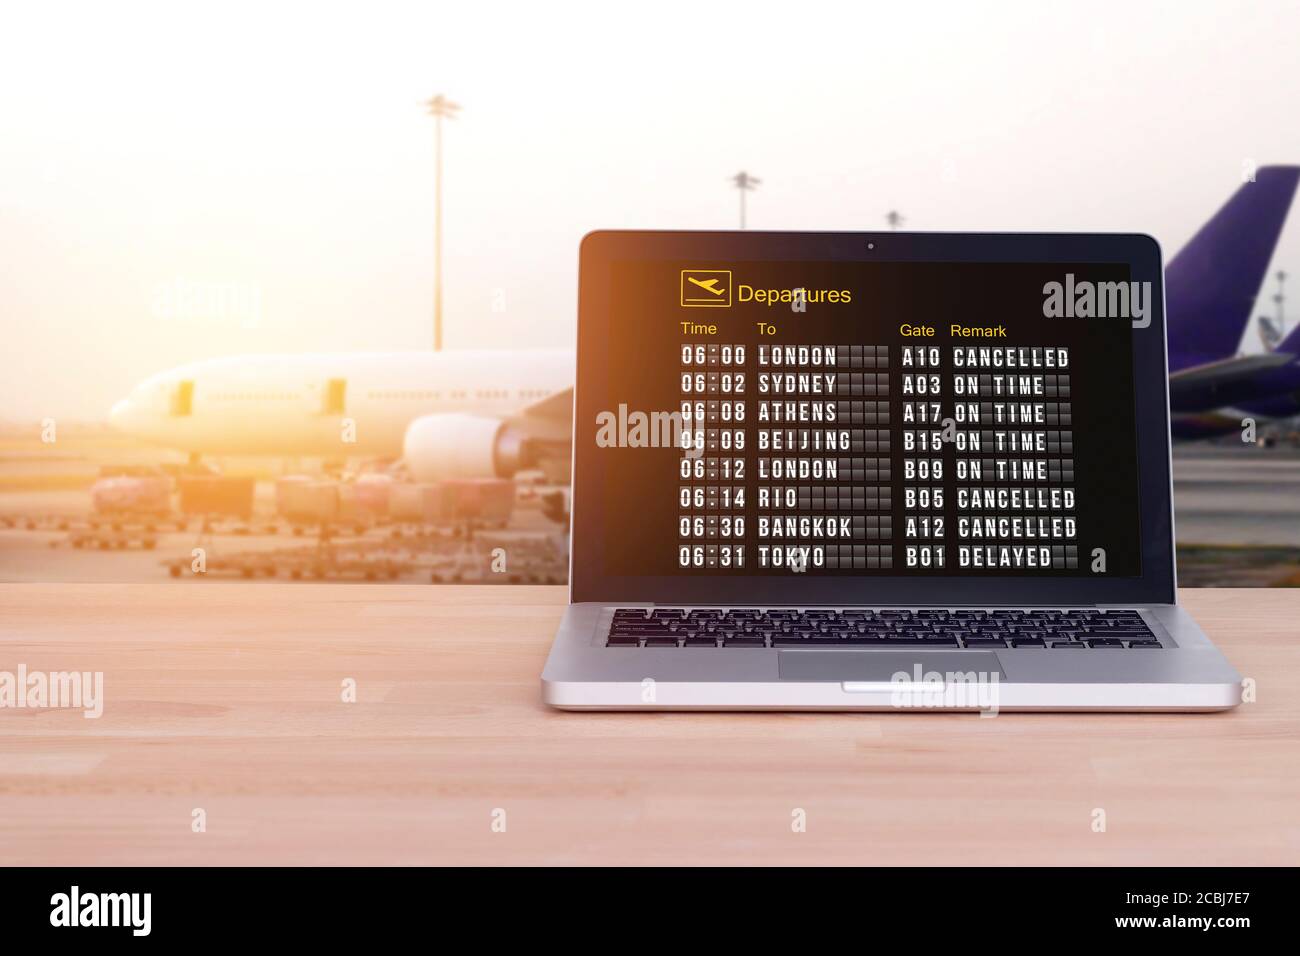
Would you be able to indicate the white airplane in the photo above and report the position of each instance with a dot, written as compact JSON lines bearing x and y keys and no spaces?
{"x":469,"y":414}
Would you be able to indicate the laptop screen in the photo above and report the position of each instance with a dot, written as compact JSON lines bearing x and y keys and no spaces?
{"x":765,"y":419}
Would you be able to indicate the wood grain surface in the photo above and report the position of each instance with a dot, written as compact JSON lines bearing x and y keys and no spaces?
{"x":228,"y":697}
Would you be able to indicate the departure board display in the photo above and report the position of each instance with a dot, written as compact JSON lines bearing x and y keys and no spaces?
{"x":870,"y":418}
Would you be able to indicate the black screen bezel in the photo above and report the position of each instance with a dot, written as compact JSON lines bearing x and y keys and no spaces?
{"x":599,"y":250}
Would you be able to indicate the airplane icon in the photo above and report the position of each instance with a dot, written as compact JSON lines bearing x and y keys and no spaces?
{"x":710,"y":285}
{"x":706,"y":288}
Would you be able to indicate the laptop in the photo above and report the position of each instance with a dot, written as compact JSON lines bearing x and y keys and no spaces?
{"x":849,"y":471}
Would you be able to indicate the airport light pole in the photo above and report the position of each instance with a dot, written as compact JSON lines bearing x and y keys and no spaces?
{"x":440,"y":108}
{"x":744,"y":183}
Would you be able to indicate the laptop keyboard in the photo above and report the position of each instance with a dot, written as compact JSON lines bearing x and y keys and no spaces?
{"x":751,"y":627}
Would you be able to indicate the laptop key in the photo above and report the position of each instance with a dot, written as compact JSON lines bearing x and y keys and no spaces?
{"x":644,"y":632}
{"x":913,"y":642}
{"x":744,"y":642}
{"x":623,"y":640}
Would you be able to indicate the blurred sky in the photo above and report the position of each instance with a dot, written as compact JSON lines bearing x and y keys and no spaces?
{"x":179,"y":181}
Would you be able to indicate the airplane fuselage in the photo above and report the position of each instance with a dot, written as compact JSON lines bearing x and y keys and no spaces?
{"x":331,"y":405}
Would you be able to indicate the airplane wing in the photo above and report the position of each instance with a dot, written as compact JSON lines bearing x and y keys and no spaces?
{"x":557,"y":407}
{"x":546,"y":427}
{"x":1225,"y":382}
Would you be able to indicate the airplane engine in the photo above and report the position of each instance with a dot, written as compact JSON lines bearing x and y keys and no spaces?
{"x":461,"y":446}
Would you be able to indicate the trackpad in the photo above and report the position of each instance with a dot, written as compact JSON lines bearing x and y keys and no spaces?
{"x":881,"y":666}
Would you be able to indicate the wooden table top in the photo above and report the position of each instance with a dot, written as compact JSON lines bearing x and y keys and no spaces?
{"x":227,"y":698}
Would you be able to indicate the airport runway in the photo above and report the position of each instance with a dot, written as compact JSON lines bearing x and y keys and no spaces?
{"x":1238,"y":524}
{"x":1228,"y":496}
{"x":1237,"y":515}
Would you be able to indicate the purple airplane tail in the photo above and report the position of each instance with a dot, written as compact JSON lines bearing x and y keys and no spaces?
{"x":1210,"y":286}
